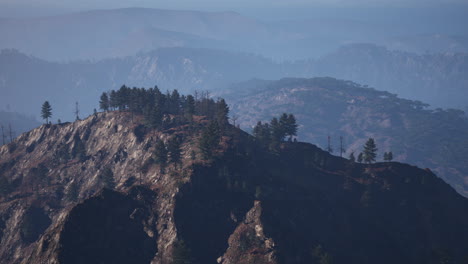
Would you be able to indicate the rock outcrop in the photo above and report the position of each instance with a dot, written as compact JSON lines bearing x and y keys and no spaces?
{"x":248,"y":243}
{"x":247,"y":204}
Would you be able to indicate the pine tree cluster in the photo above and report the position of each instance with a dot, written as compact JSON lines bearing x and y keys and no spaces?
{"x":277,"y":130}
{"x":161,"y":109}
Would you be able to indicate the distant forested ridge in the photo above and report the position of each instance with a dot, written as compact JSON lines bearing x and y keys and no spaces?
{"x":432,"y":138}
{"x":437,"y":79}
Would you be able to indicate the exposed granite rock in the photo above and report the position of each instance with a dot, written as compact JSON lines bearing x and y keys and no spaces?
{"x":246,"y":205}
{"x":248,"y":243}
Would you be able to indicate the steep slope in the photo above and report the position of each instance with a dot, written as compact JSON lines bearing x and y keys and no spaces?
{"x":295,"y":204}
{"x":328,"y":107}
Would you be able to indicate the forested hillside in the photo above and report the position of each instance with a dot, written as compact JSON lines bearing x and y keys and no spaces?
{"x":164,"y":178}
{"x":436,"y":139}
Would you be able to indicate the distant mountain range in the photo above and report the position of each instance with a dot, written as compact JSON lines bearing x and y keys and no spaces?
{"x":123,"y":32}
{"x":438,"y":79}
{"x":63,"y":84}
{"x":103,"y":34}
{"x":435,"y":139}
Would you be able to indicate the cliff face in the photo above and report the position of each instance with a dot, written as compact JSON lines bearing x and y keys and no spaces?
{"x":53,"y":168}
{"x":297,"y":204}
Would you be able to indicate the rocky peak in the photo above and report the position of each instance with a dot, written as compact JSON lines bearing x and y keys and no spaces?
{"x":246,"y":204}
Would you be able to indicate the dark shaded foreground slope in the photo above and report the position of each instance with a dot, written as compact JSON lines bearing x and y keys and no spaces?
{"x":292,"y":204}
{"x":415,"y":133}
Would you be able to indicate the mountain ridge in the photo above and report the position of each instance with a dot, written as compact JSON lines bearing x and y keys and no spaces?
{"x":329,"y":107}
{"x":212,"y":198}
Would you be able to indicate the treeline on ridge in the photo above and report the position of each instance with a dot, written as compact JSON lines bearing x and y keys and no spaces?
{"x":161,"y":110}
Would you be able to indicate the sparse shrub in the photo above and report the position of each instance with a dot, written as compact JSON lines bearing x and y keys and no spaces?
{"x":320,"y":256}
{"x":78,"y":150}
{"x":139,"y":132}
{"x":160,"y":154}
{"x":34,"y":223}
{"x":130,"y":181}
{"x":31,"y":147}
{"x":73,"y":192}
{"x":247,"y":239}
{"x":5,"y":186}
{"x":107,"y":178}
{"x":146,"y":165}
{"x":181,"y":253}
{"x":12,"y":147}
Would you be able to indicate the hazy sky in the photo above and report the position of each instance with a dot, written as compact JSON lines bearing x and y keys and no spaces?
{"x":219,"y":3}
{"x":28,"y":7}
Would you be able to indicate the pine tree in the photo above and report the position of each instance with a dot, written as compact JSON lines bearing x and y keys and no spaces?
{"x":277,"y":130}
{"x":262,"y":132}
{"x":174,"y":106}
{"x":160,"y":153}
{"x":113,"y":102}
{"x":46,"y":112}
{"x":104,"y":102}
{"x":360,"y":157}
{"x":351,"y":157}
{"x":288,"y":125}
{"x":369,"y":152}
{"x":189,"y":107}
{"x":122,"y":97}
{"x":222,"y":112}
{"x":173,"y":146}
{"x":155,"y":117}
{"x":291,"y":126}
{"x":160,"y":101}
{"x":283,"y":124}
{"x":257,"y":130}
{"x":209,"y":139}
{"x":388,"y":156}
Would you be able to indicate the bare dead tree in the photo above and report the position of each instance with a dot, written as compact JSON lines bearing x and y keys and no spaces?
{"x":341,"y":146}
{"x":11,"y":133}
{"x":3,"y":136}
{"x":77,"y":111}
{"x":329,"y":147}
{"x":234,"y":119}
